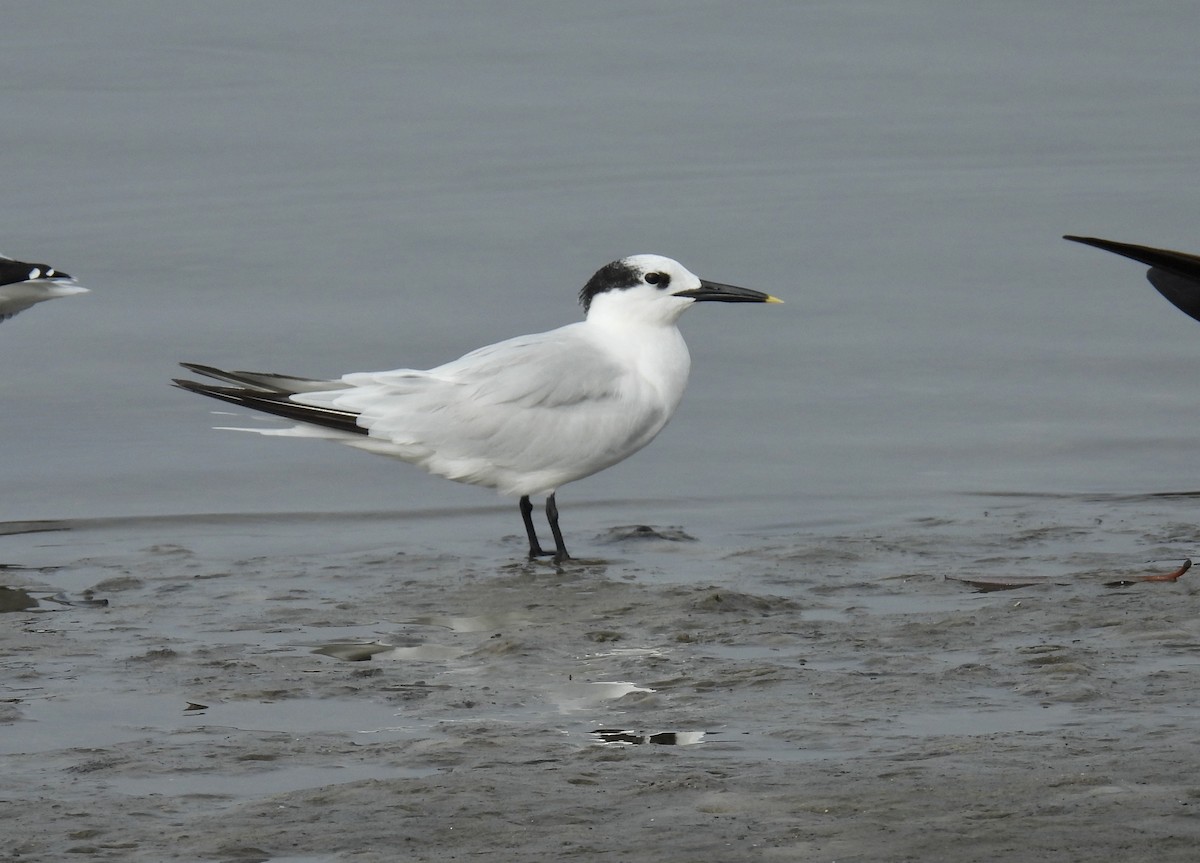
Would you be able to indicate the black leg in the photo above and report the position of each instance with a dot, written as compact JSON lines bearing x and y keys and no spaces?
{"x":560,"y":549}
{"x":535,"y":547}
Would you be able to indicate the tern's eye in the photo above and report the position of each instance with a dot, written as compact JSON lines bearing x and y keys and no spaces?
{"x":660,"y":279}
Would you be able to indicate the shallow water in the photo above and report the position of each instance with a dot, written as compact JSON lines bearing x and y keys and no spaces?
{"x":772,"y":679}
{"x":950,"y":389}
{"x":810,"y":682}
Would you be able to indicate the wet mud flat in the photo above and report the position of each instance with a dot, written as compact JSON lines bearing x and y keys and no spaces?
{"x":311,"y":689}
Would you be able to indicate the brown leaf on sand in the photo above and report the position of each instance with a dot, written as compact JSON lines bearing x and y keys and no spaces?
{"x":987,"y":583}
{"x":1170,"y":576}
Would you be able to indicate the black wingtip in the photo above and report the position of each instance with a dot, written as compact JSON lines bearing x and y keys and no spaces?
{"x":277,"y":404}
{"x":1176,"y":275}
{"x":1107,"y":245}
{"x":200,"y":369}
{"x":228,"y":394}
{"x":1182,"y":262}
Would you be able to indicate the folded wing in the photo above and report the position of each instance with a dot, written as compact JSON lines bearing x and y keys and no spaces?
{"x":508,"y":416}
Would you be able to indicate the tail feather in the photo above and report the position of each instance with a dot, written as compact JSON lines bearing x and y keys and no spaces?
{"x":271,"y":394}
{"x":265,"y":381}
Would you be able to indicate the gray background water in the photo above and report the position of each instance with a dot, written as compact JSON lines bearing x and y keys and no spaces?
{"x":318,"y":188}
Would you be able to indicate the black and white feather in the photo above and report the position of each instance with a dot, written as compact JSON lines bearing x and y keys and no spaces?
{"x":24,"y":284}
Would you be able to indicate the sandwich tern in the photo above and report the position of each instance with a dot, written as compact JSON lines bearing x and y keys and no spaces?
{"x":1176,"y":275}
{"x":23,"y":284}
{"x":523,"y":416}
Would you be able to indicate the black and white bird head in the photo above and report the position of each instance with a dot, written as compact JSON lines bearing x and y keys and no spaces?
{"x":23,"y":284}
{"x":654,"y":289}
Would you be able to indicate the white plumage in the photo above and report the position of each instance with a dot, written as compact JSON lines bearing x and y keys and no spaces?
{"x":523,"y":416}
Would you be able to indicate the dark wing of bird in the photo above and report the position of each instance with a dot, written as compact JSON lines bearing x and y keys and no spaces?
{"x":1176,"y":275}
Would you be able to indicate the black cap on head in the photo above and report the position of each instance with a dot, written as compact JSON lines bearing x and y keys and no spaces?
{"x":615,"y":276}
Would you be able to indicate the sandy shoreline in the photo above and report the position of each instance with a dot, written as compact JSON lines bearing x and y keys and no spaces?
{"x":835,"y":697}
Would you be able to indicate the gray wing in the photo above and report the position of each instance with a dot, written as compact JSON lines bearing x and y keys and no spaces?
{"x":516,"y":408}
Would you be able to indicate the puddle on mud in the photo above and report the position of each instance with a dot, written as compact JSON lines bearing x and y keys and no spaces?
{"x":471,"y":623}
{"x":571,"y":697}
{"x":362,"y":651}
{"x":273,"y":779}
{"x":97,"y":719}
{"x":965,"y":720}
{"x":14,"y":599}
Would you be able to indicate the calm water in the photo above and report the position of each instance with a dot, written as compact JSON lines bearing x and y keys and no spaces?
{"x":319,"y":188}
